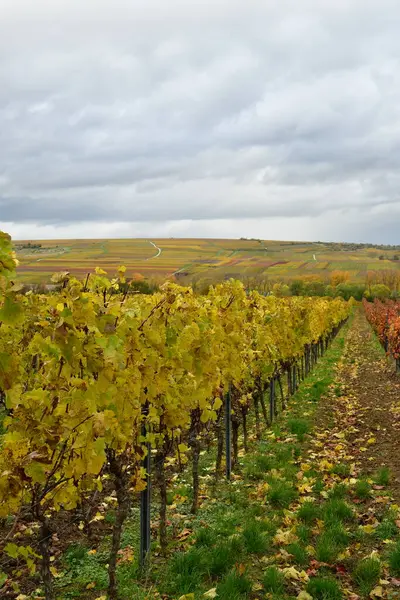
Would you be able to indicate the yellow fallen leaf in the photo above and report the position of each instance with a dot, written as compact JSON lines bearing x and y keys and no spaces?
{"x":211,"y":593}
{"x":92,"y":551}
{"x":91,"y":585}
{"x":371,"y":440}
{"x":368,"y":528}
{"x":304,"y":596}
{"x":187,"y":597}
{"x":377,"y":592}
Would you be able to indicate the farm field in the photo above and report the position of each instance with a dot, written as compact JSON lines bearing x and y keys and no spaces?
{"x":188,"y":258}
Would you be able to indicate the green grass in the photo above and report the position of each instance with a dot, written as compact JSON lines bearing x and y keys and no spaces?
{"x":308,"y":512}
{"x":273,"y":580}
{"x":326,"y":549}
{"x":185,"y":572}
{"x":234,"y":586}
{"x":341,"y":469}
{"x":321,"y":588}
{"x":205,"y":537}
{"x":299,"y":427}
{"x":255,"y":541}
{"x":281,"y":494}
{"x":222,"y":557}
{"x":299,"y":554}
{"x":367,"y":574}
{"x":362,"y":489}
{"x":387,"y":529}
{"x":394,"y":560}
{"x":339,"y":491}
{"x":337,"y":510}
{"x":304,"y":533}
{"x":383,"y":476}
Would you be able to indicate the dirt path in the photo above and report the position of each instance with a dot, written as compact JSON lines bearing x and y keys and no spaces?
{"x":370,"y":389}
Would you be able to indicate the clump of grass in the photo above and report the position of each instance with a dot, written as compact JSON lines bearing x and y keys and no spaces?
{"x":185,"y":572}
{"x":326,"y":549}
{"x":274,"y":581}
{"x":281,"y":494}
{"x":321,"y":588}
{"x":394,"y":560}
{"x":304,"y":533}
{"x":318,"y":486}
{"x":367,"y":574}
{"x":259,"y":466}
{"x":254,"y":541}
{"x":362,"y":489}
{"x":387,"y":529}
{"x":299,"y":427}
{"x":337,"y":510}
{"x":339,"y":534}
{"x":339,"y":491}
{"x":222,"y":557}
{"x":308,"y":512}
{"x":341,"y":469}
{"x":234,"y":586}
{"x":383,"y":476}
{"x":299,"y":553}
{"x":205,"y":537}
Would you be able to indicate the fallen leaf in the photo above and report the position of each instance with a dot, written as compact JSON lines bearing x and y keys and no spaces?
{"x":377,"y":592}
{"x":211,"y":593}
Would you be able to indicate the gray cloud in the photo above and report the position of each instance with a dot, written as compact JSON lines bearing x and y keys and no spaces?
{"x":230,"y":118}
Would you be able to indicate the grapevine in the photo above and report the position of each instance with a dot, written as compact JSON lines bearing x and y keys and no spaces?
{"x":84,"y":369}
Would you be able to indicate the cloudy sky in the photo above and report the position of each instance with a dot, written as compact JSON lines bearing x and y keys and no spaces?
{"x":225,"y":118}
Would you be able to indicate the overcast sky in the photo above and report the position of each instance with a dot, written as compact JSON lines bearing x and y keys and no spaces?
{"x":225,"y":118}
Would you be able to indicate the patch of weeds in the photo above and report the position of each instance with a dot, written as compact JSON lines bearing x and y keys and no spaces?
{"x":205,"y":537}
{"x":185,"y":572}
{"x":284,"y":453}
{"x":281,"y":494}
{"x":299,"y":427}
{"x":228,"y":524}
{"x":273,"y":580}
{"x":318,"y":486}
{"x":299,"y":553}
{"x":234,"y":586}
{"x":337,"y":510}
{"x":222,"y":557}
{"x":84,"y":568}
{"x":258,"y":466}
{"x":387,"y":529}
{"x":362,"y":489}
{"x":338,"y":491}
{"x":341,"y":469}
{"x":321,"y":588}
{"x":304,"y":533}
{"x":127,"y":574}
{"x":383,"y":476}
{"x":326,"y":549}
{"x":338,"y":534}
{"x":254,"y":541}
{"x":394,"y":560}
{"x":308,"y":512}
{"x":367,"y":574}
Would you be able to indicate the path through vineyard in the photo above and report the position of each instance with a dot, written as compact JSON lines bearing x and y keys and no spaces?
{"x":373,"y":392}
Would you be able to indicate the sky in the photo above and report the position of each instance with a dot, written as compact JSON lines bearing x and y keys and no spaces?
{"x":224,"y":118}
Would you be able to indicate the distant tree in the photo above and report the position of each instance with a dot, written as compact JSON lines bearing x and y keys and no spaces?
{"x":297,"y":288}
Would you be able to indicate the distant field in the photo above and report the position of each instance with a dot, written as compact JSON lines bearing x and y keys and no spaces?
{"x":161,"y":258}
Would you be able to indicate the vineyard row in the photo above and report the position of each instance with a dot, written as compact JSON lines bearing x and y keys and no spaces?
{"x":95,"y":381}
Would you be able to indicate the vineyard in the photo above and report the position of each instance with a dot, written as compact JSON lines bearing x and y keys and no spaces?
{"x":109,"y":398}
{"x":93,"y":380}
{"x":385,"y":320}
